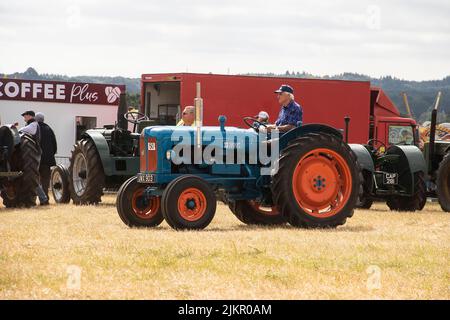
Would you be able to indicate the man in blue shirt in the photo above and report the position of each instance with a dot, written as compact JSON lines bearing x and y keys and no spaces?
{"x":291,"y":113}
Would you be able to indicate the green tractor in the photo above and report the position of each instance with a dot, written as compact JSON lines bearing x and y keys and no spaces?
{"x":404,"y":176}
{"x":395,"y":175}
{"x":103,"y":158}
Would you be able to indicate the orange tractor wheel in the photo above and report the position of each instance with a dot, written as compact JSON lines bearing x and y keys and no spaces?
{"x":188,"y":203}
{"x":318,"y":182}
{"x":135,"y":208}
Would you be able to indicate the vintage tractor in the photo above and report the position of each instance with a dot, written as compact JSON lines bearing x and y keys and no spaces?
{"x":19,"y":167}
{"x":314,"y":182}
{"x":396,"y":175}
{"x":103,"y":158}
{"x":437,"y":155}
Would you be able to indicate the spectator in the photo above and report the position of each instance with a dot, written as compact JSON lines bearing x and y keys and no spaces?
{"x":32,"y":127}
{"x":49,"y":148}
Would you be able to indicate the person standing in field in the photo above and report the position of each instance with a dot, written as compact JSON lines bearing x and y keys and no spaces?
{"x":49,"y":148}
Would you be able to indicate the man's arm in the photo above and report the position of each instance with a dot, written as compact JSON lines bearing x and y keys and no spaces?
{"x":30,"y":128}
{"x":55,"y":145}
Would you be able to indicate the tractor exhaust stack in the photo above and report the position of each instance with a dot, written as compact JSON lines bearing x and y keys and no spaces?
{"x":198,"y":102}
{"x":121,"y":110}
{"x":433,"y":124}
{"x":347,"y":123}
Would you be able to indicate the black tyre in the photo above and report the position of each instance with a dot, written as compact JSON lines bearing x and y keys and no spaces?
{"x":87,"y":178}
{"x":251,"y":213}
{"x":414,"y":203}
{"x":136,"y":210}
{"x":188,"y":203}
{"x":22,"y":191}
{"x":443,"y":183}
{"x":365,"y":203}
{"x":365,"y":200}
{"x":318,"y":182}
{"x":59,"y":184}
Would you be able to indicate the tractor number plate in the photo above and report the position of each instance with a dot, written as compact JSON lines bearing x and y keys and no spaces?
{"x":145,"y":178}
{"x":390,"y":178}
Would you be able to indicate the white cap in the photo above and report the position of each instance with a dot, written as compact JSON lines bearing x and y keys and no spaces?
{"x":263,"y":115}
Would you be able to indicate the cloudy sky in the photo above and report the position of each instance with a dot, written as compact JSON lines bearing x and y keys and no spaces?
{"x":406,"y":39}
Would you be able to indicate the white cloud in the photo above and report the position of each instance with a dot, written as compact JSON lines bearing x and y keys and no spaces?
{"x":408,"y":39}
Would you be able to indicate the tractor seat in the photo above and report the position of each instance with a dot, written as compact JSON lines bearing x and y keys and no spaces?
{"x":146,"y":123}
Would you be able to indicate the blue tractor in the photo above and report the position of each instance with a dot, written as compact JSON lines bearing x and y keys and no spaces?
{"x":313,"y":182}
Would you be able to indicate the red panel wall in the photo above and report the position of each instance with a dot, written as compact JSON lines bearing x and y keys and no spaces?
{"x":323,"y":101}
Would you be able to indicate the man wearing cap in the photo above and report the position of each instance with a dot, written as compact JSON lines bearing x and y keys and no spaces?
{"x":291,"y":113}
{"x":49,"y":148}
{"x":32,"y":127}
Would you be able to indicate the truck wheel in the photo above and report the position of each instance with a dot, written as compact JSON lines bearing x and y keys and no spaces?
{"x":59,"y":184}
{"x":250,"y":212}
{"x":414,"y":203}
{"x":136,"y":210}
{"x":22,"y":191}
{"x":87,"y":178}
{"x":443,"y":183}
{"x":188,"y":203}
{"x":318,"y":182}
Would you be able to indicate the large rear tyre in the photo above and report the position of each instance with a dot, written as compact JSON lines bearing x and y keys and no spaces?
{"x":87,"y":178}
{"x":135,"y":209}
{"x":59,"y":184}
{"x":22,"y":191}
{"x":443,"y":183}
{"x":188,"y":203}
{"x":414,"y":203}
{"x":252,"y":213}
{"x":318,"y":182}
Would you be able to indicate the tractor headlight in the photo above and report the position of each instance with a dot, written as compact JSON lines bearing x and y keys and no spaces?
{"x":169,"y":154}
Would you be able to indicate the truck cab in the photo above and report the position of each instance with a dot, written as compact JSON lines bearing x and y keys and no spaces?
{"x":387,"y":127}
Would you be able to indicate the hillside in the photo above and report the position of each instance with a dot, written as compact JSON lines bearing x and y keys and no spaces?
{"x":421,"y":94}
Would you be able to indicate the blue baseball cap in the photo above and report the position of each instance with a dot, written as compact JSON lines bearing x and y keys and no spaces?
{"x":285,"y":88}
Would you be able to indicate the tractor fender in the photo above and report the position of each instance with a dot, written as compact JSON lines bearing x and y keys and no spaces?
{"x":102,"y":148}
{"x":305,"y":129}
{"x":413,"y":157}
{"x":363,"y":156}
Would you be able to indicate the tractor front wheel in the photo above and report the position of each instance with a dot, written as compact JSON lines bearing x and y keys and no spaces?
{"x":318,"y":181}
{"x":252,"y":213}
{"x":87,"y":178}
{"x":188,"y":203}
{"x":59,"y":184}
{"x":135,"y":208}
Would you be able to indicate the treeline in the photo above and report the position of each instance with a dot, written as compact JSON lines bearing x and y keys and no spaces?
{"x":421,"y":94}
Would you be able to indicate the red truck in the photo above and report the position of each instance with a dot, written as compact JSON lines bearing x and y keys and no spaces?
{"x":372,"y":113}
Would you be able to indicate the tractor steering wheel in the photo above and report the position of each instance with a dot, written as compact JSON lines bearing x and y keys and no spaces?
{"x":376,"y":141}
{"x":134,"y":117}
{"x":252,"y":124}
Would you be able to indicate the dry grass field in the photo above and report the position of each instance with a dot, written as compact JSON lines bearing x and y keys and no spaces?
{"x":68,"y":252}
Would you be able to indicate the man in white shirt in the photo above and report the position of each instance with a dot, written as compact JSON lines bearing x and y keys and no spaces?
{"x":32,"y":127}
